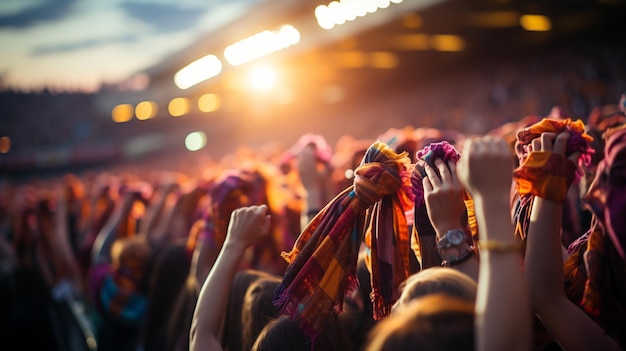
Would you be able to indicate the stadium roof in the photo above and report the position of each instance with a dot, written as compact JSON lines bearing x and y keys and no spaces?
{"x":392,"y":46}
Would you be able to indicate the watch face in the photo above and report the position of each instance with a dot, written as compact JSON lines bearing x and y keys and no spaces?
{"x":456,"y":237}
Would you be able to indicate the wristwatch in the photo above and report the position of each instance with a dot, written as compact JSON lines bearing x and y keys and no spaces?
{"x":453,"y":237}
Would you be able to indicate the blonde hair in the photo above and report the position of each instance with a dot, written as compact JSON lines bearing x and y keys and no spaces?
{"x":437,"y":280}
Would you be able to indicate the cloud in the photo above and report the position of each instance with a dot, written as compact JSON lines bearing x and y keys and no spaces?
{"x":91,"y":42}
{"x":48,"y":10}
{"x":81,"y":45}
{"x":164,"y":18}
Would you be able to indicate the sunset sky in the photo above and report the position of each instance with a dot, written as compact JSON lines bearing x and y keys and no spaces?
{"x":79,"y":44}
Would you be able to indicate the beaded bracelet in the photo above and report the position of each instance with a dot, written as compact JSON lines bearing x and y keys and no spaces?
{"x":501,"y":246}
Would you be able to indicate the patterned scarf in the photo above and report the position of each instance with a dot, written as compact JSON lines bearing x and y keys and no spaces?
{"x":122,"y":294}
{"x":578,"y":141}
{"x":546,"y":174}
{"x":595,"y":272}
{"x":608,"y":198}
{"x":322,"y":263}
{"x":124,"y":304}
{"x":423,"y":238}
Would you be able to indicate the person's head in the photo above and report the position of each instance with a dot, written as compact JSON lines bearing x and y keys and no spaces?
{"x":286,"y":334}
{"x":232,"y":325}
{"x":258,"y":310}
{"x":433,"y":322}
{"x":129,"y":259}
{"x":282,"y":333}
{"x":167,"y":278}
{"x":436,"y":280}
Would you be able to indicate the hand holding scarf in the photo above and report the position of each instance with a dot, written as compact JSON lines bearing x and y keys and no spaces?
{"x":322,"y":263}
{"x":546,"y":174}
{"x":424,"y":235}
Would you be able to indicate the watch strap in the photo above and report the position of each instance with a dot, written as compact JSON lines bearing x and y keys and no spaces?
{"x":469,"y":253}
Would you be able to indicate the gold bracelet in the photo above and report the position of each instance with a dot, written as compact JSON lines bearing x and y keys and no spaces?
{"x":494,"y":245}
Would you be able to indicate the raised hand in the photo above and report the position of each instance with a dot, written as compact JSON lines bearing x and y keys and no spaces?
{"x":486,"y":171}
{"x":314,"y":176}
{"x":443,"y":196}
{"x":544,"y":266}
{"x":247,"y":225}
{"x":486,"y":167}
{"x":552,"y":142}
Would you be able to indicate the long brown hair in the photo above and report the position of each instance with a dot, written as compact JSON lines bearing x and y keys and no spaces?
{"x":258,"y":309}
{"x":433,"y":322}
{"x":232,"y":325}
{"x":286,"y":334}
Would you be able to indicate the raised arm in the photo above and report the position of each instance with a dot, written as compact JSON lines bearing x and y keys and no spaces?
{"x":544,"y":267}
{"x":444,"y":202}
{"x":158,"y":212}
{"x":61,"y":242}
{"x":247,"y":226}
{"x":315,"y":178}
{"x":100,"y":251}
{"x":180,"y":217}
{"x":503,"y":313}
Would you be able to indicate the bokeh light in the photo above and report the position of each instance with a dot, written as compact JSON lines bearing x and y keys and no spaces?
{"x":262,"y":78}
{"x":383,"y":59}
{"x":340,"y":12}
{"x":535,"y":23}
{"x":447,"y":42}
{"x":198,"y":71}
{"x":122,"y":113}
{"x":261,"y":44}
{"x":195,"y":141}
{"x":178,"y":107}
{"x":349,"y":173}
{"x":209,"y":102}
{"x":146,"y":110}
{"x":5,"y":144}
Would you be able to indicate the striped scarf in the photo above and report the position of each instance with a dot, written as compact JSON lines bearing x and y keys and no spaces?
{"x":322,"y":263}
{"x":595,"y":272}
{"x":546,"y":174}
{"x":608,"y":198}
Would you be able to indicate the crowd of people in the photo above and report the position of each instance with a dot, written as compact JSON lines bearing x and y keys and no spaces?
{"x":498,"y":227}
{"x":418,"y":238}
